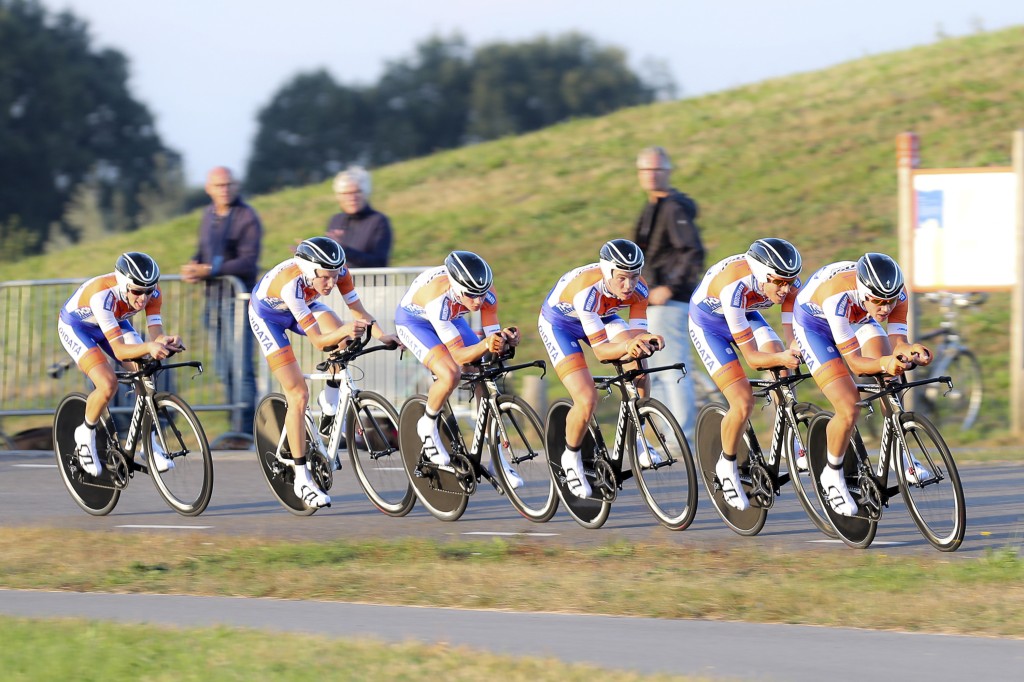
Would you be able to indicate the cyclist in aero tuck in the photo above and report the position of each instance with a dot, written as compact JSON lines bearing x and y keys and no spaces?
{"x":288,"y":297}
{"x":582,"y":307}
{"x":94,"y":323}
{"x":838,"y":317}
{"x":431,"y":323}
{"x":724,"y":312}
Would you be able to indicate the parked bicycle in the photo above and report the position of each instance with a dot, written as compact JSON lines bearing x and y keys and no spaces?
{"x":186,"y":488}
{"x":760,"y":472}
{"x":506,"y":425}
{"x":959,"y":406}
{"x":668,"y":486}
{"x":366,"y":420}
{"x":934,"y":497}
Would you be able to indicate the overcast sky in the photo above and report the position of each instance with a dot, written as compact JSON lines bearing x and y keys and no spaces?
{"x":205,"y":67}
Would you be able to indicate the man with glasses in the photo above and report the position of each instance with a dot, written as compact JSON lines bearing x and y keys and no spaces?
{"x":838,"y":326}
{"x":364,"y":232}
{"x":288,"y":298}
{"x":230,"y":233}
{"x":431,"y":322}
{"x":724,"y":315}
{"x":667,"y":233}
{"x":94,"y":323}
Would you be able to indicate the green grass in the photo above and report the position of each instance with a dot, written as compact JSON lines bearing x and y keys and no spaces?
{"x":80,"y":650}
{"x":810,"y":157}
{"x":656,"y":579}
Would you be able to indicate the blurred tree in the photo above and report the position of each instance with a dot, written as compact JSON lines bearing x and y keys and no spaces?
{"x":444,"y":96}
{"x":67,"y":118}
{"x":312,"y":128}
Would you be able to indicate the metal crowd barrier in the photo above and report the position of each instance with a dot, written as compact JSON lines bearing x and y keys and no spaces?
{"x":32,"y":359}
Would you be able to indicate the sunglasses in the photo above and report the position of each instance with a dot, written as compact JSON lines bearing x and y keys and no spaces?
{"x":781,"y":281}
{"x":473,"y":297}
{"x":143,"y":291}
{"x":881,"y":301}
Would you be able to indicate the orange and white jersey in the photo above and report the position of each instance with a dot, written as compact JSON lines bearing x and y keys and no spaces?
{"x":728,"y":291}
{"x":284,"y":289}
{"x":99,"y":302}
{"x":430,"y":297}
{"x":580,"y":303}
{"x":830,"y":297}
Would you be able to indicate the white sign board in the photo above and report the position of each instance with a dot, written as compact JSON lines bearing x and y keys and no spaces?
{"x":964,"y":230}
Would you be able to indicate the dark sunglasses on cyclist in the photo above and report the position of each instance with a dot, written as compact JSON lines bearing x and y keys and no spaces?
{"x":781,"y":281}
{"x":474,"y":298}
{"x":881,"y":301}
{"x":141,"y":291}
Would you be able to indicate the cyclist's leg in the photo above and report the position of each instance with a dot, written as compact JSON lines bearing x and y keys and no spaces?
{"x":328,"y":321}
{"x":671,"y":320}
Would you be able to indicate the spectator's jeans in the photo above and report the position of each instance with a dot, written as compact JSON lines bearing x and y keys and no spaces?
{"x":220,"y":323}
{"x":672,"y":321}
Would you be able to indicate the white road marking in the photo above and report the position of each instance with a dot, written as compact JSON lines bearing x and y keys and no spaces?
{"x":36,"y":466}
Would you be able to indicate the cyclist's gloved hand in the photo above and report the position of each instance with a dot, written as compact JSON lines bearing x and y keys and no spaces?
{"x":920,"y":354}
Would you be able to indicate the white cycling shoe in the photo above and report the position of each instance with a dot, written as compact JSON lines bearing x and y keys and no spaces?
{"x":426,"y":429}
{"x":801,"y":459}
{"x":917,"y":473}
{"x":511,"y":475}
{"x":575,"y":480}
{"x":85,"y":450}
{"x":327,"y":411}
{"x":160,"y":459}
{"x":310,"y":494}
{"x":648,"y":456}
{"x":729,"y":476}
{"x":833,"y":482}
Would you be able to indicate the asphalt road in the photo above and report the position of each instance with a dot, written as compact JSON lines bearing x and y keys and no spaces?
{"x":32,"y":494}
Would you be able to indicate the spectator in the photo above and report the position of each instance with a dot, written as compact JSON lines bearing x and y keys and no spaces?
{"x":670,"y":240}
{"x":230,"y":233}
{"x":362,"y":231}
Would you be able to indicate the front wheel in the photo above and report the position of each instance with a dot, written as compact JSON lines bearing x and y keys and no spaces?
{"x":709,"y":448}
{"x":669,"y":484}
{"x":519,"y":443}
{"x":95,"y":495}
{"x":371,"y":435}
{"x":936,"y":503}
{"x":188,"y":487}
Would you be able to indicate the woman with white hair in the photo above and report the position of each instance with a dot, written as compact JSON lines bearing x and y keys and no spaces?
{"x":362,"y":231}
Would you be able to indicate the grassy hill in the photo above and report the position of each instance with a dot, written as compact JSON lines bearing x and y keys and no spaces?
{"x":810,"y":157}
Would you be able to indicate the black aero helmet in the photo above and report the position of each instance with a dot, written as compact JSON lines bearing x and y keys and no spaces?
{"x":621,"y":254}
{"x":136,"y":269}
{"x":878,"y":275}
{"x":773,"y":257}
{"x":319,"y":252}
{"x":469,"y":274}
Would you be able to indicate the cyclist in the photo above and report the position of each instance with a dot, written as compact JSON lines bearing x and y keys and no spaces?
{"x":839,"y":316}
{"x":430,"y":320}
{"x":288,"y":298}
{"x":582,"y":307}
{"x":724,"y":312}
{"x":94,"y":323}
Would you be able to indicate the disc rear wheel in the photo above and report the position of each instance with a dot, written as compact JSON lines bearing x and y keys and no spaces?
{"x":95,"y":495}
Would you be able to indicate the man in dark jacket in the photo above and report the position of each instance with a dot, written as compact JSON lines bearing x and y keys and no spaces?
{"x":674,"y":265}
{"x":362,"y":231}
{"x":230,"y":234}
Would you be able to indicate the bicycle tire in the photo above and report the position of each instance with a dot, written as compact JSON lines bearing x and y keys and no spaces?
{"x":535,"y":499}
{"x":803,"y":482}
{"x":961,"y":404}
{"x":856,"y":531}
{"x":96,"y":496}
{"x":268,"y":425}
{"x":371,"y":436}
{"x":188,"y":487}
{"x":709,"y":447}
{"x":440,"y":493}
{"x":670,"y":487}
{"x":936,"y":505}
{"x":586,"y":511}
